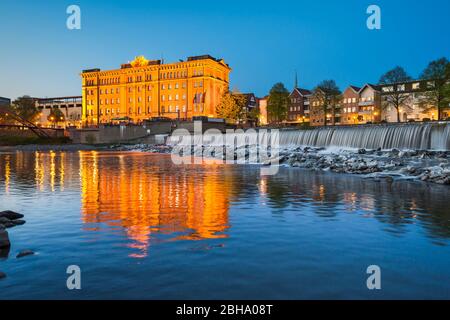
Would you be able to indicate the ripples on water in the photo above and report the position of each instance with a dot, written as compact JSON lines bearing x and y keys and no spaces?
{"x":141,"y":227}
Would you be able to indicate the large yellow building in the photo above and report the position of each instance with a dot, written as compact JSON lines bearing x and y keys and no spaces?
{"x":144,"y":89}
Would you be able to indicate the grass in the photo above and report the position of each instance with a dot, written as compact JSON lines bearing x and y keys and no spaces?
{"x":16,"y":141}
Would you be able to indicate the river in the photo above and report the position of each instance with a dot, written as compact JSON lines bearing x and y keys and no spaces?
{"x":140,"y":227}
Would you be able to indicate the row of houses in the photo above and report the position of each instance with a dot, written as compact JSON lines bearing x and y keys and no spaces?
{"x":360,"y":105}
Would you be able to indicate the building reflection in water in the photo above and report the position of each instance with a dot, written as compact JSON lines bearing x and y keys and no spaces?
{"x":149,"y":197}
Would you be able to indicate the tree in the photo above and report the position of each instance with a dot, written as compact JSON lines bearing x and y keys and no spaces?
{"x":56,"y":116}
{"x":278,"y":103}
{"x":393,"y":97}
{"x":25,"y":108}
{"x":231,"y":106}
{"x":437,"y":96}
{"x":328,"y":94}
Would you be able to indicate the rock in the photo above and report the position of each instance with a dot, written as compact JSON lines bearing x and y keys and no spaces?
{"x":362,"y":151}
{"x":4,"y":239}
{"x":24,"y":253}
{"x":18,"y":222}
{"x":2,"y":227}
{"x":4,"y":253}
{"x":11,"y":215}
{"x":4,"y":220}
{"x":2,"y":275}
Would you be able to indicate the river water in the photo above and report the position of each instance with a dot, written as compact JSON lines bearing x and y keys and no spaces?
{"x":141,"y":227}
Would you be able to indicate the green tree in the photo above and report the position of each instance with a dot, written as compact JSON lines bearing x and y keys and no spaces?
{"x":328,"y":94}
{"x":56,"y":116}
{"x":394,"y":98}
{"x":25,"y":108}
{"x":231,"y":106}
{"x":278,"y":103}
{"x":438,"y":96}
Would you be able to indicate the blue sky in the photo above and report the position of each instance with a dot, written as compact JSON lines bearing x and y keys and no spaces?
{"x":263,"y":41}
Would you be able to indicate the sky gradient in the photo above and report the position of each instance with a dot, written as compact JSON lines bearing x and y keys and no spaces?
{"x":264,"y":42}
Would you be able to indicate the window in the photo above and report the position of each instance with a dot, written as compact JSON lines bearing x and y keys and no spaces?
{"x":416,"y":86}
{"x":176,"y":85}
{"x":401,"y":87}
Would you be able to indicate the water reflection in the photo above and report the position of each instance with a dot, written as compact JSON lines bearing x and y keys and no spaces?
{"x":148,"y":195}
{"x":150,"y":199}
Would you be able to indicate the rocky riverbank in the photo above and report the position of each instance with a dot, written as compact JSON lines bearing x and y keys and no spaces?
{"x":421,"y":165}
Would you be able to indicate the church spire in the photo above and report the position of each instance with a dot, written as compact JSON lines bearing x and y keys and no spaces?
{"x":296,"y":80}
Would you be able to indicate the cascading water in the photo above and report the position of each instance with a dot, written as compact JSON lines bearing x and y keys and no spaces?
{"x":431,"y":136}
{"x":428,"y":136}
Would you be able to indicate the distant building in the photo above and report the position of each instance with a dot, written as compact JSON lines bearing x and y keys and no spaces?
{"x":298,"y":111}
{"x":414,"y":107}
{"x":263,"y":114}
{"x":350,"y":105}
{"x":5,"y":101}
{"x":71,"y":108}
{"x":369,"y":104}
{"x":145,"y":89}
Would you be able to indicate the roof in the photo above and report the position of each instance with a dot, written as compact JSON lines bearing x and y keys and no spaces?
{"x":369,"y":85}
{"x":303,"y":92}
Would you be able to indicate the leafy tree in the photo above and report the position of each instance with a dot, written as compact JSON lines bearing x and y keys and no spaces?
{"x":328,"y":94}
{"x":25,"y":108}
{"x":254,"y":114}
{"x":278,"y":103}
{"x":438,"y":96}
{"x":395,"y":98}
{"x":55,"y":116}
{"x":231,"y":106}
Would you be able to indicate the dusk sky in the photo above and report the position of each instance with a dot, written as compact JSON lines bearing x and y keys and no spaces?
{"x":264,"y":42}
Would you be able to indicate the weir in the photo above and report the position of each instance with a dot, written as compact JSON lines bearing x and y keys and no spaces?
{"x":430,"y":136}
{"x":423,"y":136}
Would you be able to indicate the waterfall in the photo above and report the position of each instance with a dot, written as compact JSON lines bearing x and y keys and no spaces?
{"x":430,"y":136}
{"x":424,"y":136}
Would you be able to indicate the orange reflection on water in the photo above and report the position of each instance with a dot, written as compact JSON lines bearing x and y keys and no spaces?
{"x":145,"y":198}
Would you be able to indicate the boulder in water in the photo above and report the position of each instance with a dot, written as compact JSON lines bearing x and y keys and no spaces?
{"x":11,"y":215}
{"x":4,"y":239}
{"x":24,"y":253}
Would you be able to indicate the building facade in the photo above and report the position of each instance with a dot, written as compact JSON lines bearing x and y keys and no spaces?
{"x":69,"y":107}
{"x":263,"y":113}
{"x":144,"y":89}
{"x":5,"y":101}
{"x":298,"y":111}
{"x":350,"y":105}
{"x":369,"y":104}
{"x":413,"y":106}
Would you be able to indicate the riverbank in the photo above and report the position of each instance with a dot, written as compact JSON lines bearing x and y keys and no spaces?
{"x":51,"y":147}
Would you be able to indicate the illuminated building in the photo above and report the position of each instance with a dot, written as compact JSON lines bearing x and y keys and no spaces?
{"x":144,"y":89}
{"x":69,"y":107}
